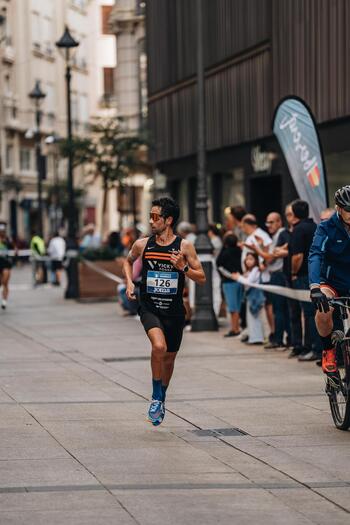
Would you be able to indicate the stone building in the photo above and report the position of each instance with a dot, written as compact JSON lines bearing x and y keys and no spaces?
{"x":29,"y":30}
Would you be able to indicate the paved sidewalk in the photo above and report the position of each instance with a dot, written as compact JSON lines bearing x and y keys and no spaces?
{"x":75,"y":446}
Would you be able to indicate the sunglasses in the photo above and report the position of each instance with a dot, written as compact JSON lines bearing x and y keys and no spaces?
{"x":155,"y":216}
{"x":345,"y":208}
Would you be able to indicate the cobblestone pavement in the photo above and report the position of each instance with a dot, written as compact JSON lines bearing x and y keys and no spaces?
{"x":75,"y":446}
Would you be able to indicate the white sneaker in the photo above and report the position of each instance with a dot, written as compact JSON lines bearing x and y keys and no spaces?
{"x":3,"y":304}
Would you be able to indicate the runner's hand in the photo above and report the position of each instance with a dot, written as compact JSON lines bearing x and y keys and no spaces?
{"x":178,"y":260}
{"x":319,"y":299}
{"x":130,"y":292}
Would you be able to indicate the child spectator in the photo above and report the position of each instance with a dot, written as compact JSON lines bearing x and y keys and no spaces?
{"x":255,"y":298}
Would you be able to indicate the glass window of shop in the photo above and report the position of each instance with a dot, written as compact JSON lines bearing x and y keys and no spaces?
{"x":338,"y":172}
{"x":233,"y":189}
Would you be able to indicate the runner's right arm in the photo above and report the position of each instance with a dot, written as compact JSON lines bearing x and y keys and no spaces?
{"x":135,"y":252}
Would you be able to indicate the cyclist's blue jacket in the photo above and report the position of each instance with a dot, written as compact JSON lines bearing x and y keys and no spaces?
{"x":329,"y":256}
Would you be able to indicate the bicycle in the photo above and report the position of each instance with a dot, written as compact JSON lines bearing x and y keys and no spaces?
{"x":338,"y":385}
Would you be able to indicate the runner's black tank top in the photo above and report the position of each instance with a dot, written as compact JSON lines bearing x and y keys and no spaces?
{"x":161,"y":284}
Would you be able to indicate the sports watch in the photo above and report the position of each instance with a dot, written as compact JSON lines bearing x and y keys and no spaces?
{"x":186,"y":268}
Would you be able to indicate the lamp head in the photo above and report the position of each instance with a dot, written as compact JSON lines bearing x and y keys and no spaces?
{"x":36,"y":93}
{"x":66,"y":43}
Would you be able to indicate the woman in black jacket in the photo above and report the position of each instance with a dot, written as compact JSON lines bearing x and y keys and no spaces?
{"x":230,"y":259}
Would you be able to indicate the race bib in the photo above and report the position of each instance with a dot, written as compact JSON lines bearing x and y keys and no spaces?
{"x":162,"y":282}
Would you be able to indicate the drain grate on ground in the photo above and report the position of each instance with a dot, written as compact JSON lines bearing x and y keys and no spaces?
{"x":124,"y":359}
{"x":218,"y":432}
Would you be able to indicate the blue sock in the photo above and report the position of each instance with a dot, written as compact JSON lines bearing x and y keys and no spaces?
{"x":164,"y":389}
{"x":157,"y":389}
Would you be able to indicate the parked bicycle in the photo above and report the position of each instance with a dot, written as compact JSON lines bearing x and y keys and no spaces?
{"x":338,"y":385}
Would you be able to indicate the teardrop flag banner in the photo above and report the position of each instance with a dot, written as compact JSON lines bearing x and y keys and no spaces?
{"x":295,"y":129}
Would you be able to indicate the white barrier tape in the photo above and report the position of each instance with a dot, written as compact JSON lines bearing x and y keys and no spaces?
{"x":205,"y":257}
{"x":299,"y":295}
{"x":105,"y":273}
{"x":14,"y":253}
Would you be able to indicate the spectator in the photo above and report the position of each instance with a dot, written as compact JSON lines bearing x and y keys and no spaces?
{"x":131,"y":307}
{"x":129,"y":236}
{"x":186,"y":230}
{"x":255,"y":298}
{"x":259,"y":238}
{"x":234,"y":216}
{"x":115,"y":244}
{"x":56,"y":251}
{"x":37,"y":246}
{"x":327,"y":214}
{"x":230,"y":259}
{"x":91,"y":239}
{"x":302,"y":235}
{"x":215,"y":239}
{"x":274,"y":264}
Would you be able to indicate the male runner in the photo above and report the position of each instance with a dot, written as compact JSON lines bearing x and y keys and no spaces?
{"x":329,"y":271}
{"x":166,"y":258}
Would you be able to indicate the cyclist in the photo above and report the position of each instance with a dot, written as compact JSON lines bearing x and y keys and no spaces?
{"x":5,"y":264}
{"x":329,"y":271}
{"x":166,"y":258}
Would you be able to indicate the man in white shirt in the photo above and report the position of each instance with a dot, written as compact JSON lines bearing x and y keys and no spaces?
{"x":255,"y":236}
{"x":56,"y":250}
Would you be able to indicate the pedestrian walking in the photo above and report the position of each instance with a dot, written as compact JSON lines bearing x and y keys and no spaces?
{"x":230,"y":259}
{"x":166,"y":259}
{"x":5,"y":264}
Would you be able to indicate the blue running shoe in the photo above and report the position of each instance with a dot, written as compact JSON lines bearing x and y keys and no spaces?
{"x":156,"y":412}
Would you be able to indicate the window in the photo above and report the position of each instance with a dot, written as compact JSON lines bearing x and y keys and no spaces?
{"x":83,"y":109}
{"x":81,"y":4}
{"x":9,"y":157}
{"x":140,"y":7}
{"x":47,"y":35}
{"x":36,"y":33}
{"x":25,"y":159}
{"x":7,"y":85}
{"x":50,"y":98}
{"x":108,"y":81}
{"x":105,"y":14}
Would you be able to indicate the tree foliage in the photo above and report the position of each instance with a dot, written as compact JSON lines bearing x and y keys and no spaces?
{"x":109,"y":153}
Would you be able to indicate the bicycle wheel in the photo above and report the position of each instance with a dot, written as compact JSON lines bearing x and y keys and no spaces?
{"x":338,"y":388}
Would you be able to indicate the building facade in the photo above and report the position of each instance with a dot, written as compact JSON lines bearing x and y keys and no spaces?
{"x":28,"y":54}
{"x":256,"y":52}
{"x":128,"y":24}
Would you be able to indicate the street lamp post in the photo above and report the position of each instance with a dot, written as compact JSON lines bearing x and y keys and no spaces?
{"x":66,"y":44}
{"x":37,"y":95}
{"x":204,"y":318}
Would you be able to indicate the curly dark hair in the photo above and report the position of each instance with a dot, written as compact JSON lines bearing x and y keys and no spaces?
{"x":169,"y":207}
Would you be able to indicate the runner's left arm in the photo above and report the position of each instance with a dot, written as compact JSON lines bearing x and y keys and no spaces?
{"x":188,"y":256}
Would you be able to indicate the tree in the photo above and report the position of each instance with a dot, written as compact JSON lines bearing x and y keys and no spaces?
{"x":110,"y":154}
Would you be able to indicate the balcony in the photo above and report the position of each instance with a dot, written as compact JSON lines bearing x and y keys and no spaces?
{"x":8,"y":51}
{"x":10,"y":113}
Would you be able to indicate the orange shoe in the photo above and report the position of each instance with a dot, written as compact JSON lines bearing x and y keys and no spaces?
{"x":329,"y":362}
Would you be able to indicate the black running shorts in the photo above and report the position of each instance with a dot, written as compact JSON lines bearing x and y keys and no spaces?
{"x":172,"y":327}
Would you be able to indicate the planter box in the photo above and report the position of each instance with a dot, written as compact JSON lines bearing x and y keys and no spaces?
{"x":93,"y":285}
